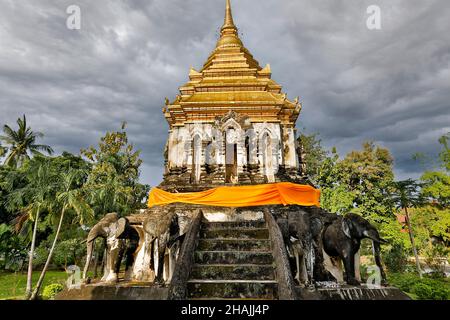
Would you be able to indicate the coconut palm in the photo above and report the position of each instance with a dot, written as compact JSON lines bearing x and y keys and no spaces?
{"x":21,"y":143}
{"x":69,"y":198}
{"x":2,"y":150}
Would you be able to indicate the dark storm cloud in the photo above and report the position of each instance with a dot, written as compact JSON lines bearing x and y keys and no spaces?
{"x":390,"y":85}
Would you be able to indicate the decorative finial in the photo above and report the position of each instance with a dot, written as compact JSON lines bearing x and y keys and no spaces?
{"x":228,"y":23}
{"x":229,"y":32}
{"x":167,"y":101}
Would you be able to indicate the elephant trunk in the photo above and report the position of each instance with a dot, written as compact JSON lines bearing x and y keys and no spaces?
{"x":90,"y":249}
{"x":373,"y":235}
{"x":377,"y":256}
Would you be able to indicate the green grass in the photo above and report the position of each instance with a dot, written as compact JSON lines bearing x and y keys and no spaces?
{"x":12,"y":285}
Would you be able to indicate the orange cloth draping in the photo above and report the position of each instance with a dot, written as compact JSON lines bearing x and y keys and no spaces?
{"x":284,"y":193}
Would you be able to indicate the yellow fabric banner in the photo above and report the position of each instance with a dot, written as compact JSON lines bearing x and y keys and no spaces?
{"x":284,"y":193}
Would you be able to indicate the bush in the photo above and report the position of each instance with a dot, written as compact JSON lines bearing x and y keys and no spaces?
{"x":431,"y":289}
{"x":436,"y":256}
{"x":404,"y":282}
{"x":40,"y":256}
{"x":69,"y":252}
{"x":423,"y":289}
{"x":396,"y":258}
{"x":13,"y":250}
{"x":50,"y":291}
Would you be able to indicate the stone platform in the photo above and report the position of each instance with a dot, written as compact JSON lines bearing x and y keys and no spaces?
{"x":134,"y":291}
{"x":346,"y":292}
{"x":120,"y":291}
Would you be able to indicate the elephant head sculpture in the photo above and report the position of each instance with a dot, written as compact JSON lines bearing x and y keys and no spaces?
{"x":342,"y":240}
{"x":114,"y":231}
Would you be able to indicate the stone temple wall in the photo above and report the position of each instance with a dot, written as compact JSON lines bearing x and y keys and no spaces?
{"x":230,"y":151}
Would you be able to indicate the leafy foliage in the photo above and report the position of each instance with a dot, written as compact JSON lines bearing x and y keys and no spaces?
{"x":22,"y":142}
{"x":423,"y":289}
{"x":50,"y":291}
{"x":113,"y":184}
{"x":313,"y":154}
{"x":396,"y":258}
{"x":358,"y":183}
{"x":13,"y":251}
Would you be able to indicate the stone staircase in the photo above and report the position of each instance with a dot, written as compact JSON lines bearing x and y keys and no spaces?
{"x":233,"y":260}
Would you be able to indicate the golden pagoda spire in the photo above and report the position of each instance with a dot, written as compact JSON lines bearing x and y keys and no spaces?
{"x":229,"y":32}
{"x":228,"y":23}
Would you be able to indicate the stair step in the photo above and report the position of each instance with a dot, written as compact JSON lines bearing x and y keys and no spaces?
{"x":233,"y":272}
{"x":232,"y":257}
{"x":233,"y":245}
{"x":234,"y":225}
{"x":230,"y":233}
{"x":226,"y":289}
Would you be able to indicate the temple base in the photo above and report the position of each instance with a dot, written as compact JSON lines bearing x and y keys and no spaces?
{"x":133,"y":291}
{"x":346,"y":292}
{"x":120,"y":291}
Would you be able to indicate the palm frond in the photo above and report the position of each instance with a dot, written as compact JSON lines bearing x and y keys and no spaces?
{"x":10,"y":133}
{"x":42,"y":147}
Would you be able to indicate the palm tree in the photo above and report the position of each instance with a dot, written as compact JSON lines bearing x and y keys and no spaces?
{"x":22,"y":142}
{"x":2,"y":150}
{"x":69,"y":198}
{"x":39,"y":193}
{"x":406,"y":195}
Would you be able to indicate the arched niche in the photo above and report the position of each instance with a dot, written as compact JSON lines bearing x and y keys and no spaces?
{"x":266,"y":148}
{"x":231,"y":136}
{"x":196,"y":157}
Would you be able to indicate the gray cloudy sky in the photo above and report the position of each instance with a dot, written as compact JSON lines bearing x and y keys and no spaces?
{"x":390,"y":86}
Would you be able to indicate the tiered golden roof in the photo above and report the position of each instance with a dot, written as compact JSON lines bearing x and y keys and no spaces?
{"x":231,"y":79}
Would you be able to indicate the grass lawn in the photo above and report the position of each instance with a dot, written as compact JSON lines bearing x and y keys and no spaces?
{"x":12,"y":285}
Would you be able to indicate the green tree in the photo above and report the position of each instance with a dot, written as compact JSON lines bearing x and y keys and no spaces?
{"x":432,"y":220}
{"x":437,"y":183}
{"x":40,"y":193}
{"x":69,"y":197}
{"x":359,"y":182}
{"x":113,"y":184}
{"x":404,"y":195}
{"x":13,"y":250}
{"x":21,"y":143}
{"x":313,"y":154}
{"x":445,"y":153}
{"x":335,"y":195}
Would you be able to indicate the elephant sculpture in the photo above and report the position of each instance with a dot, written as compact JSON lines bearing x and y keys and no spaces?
{"x":162,"y":237}
{"x":120,"y":238}
{"x":301,"y":232}
{"x":342,"y":241}
{"x":300,"y":245}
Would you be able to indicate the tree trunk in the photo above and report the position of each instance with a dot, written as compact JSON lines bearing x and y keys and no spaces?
{"x":30,"y":259}
{"x":49,"y":258}
{"x":411,"y":237}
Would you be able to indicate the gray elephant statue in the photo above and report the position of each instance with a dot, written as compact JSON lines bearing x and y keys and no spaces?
{"x":301,"y":232}
{"x":162,"y":238}
{"x":342,"y":241}
{"x":120,"y":238}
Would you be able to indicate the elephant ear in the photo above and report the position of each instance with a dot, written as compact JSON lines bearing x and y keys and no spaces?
{"x":121,"y":227}
{"x":347,"y":227}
